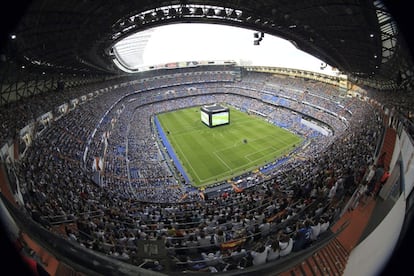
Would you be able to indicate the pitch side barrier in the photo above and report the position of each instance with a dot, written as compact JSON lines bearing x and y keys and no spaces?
{"x":170,"y":150}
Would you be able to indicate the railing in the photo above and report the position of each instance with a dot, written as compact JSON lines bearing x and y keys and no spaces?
{"x":74,"y":255}
{"x":275,"y":267}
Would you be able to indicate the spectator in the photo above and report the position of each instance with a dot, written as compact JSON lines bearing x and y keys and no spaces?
{"x":302,"y":236}
{"x":211,"y":259}
{"x":204,"y":240}
{"x":273,"y":250}
{"x":123,"y":210}
{"x":372,"y":185}
{"x":316,"y":230}
{"x":259,"y":254}
{"x":264,"y":228}
{"x":324,"y":225}
{"x":219,"y":237}
{"x":381,"y":183}
{"x":285,"y":244}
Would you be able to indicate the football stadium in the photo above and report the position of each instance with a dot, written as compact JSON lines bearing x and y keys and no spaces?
{"x":112,"y":166}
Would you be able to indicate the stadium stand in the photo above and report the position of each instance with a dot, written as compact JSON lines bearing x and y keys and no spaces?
{"x":140,"y":200}
{"x":88,"y":188}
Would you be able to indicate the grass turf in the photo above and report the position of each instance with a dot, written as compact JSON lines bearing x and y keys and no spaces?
{"x":214,"y":154}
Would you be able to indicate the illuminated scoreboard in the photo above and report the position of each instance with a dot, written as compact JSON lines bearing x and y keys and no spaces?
{"x":215,"y":115}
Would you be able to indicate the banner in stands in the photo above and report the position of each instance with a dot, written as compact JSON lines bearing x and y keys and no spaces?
{"x":25,"y":138}
{"x":97,"y":164}
{"x":171,"y":65}
{"x":192,"y":63}
{"x":73,"y":103}
{"x":184,"y":64}
{"x":45,"y":118}
{"x":61,"y":110}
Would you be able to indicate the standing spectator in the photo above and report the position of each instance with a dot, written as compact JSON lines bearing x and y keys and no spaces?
{"x":379,"y":172}
{"x":359,"y":196}
{"x":381,"y":183}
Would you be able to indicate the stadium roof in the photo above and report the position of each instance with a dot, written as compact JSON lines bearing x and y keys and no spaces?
{"x":359,"y":38}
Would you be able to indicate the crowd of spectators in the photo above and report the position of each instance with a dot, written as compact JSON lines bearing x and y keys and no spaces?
{"x":15,"y":115}
{"x":141,"y":200}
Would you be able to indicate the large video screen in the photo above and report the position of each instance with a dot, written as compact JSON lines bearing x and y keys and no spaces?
{"x":204,"y":118}
{"x":220,"y":118}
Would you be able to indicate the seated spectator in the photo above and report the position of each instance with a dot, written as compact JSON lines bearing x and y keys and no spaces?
{"x":204,"y":240}
{"x":259,"y":254}
{"x":71,"y":235}
{"x":171,"y":231}
{"x":192,"y":244}
{"x":211,"y":259}
{"x":324,"y":225}
{"x":219,"y":237}
{"x":285,"y":244}
{"x":319,"y":210}
{"x":302,"y":236}
{"x":238,"y":254}
{"x":316,"y":230}
{"x":264,"y":228}
{"x":274,"y":250}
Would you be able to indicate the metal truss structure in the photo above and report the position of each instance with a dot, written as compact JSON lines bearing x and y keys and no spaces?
{"x":59,"y":42}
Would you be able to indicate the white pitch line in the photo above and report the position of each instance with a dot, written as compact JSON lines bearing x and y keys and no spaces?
{"x":215,"y":153}
{"x":185,"y":157}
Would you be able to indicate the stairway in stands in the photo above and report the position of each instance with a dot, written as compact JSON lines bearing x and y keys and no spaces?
{"x":330,"y":260}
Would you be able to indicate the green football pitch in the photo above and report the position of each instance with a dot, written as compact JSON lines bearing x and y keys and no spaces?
{"x":214,"y":154}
